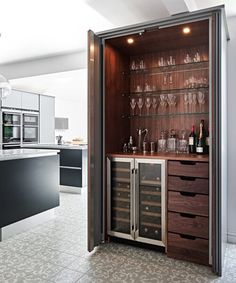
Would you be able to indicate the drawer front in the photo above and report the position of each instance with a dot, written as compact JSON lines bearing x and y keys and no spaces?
{"x":188,"y":168}
{"x":71,"y":157}
{"x":70,"y":177}
{"x":188,"y":224}
{"x":188,"y":203}
{"x":188,"y":248}
{"x":188,"y":184}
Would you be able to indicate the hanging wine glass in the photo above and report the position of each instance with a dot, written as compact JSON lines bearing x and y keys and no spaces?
{"x":148,"y":104}
{"x":132,"y":104}
{"x":140,"y":105}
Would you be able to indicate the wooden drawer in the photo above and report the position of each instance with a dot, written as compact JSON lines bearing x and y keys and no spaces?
{"x":188,"y":184}
{"x":188,"y":168}
{"x":188,"y":224}
{"x":188,"y":248}
{"x":188,"y":203}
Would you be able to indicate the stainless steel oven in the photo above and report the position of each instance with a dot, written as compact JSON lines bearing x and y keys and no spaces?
{"x":30,"y":128}
{"x":11,"y":128}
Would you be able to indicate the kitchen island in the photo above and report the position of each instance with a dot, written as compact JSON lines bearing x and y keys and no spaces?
{"x":29,"y":184}
{"x":73,"y":165}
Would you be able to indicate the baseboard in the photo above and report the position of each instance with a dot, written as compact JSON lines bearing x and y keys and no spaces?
{"x":70,"y":189}
{"x":232,"y":238}
{"x":26,"y":224}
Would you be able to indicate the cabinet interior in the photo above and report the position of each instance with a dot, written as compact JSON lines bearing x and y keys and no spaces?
{"x":124,"y":80}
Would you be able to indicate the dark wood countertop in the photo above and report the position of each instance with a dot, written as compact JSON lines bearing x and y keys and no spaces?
{"x":160,"y":155}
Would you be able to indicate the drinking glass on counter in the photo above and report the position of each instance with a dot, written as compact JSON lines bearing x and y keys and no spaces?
{"x":183,"y":142}
{"x":172,"y":141}
{"x":162,"y":142}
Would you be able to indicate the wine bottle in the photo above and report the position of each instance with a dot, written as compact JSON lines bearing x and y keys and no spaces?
{"x":192,"y":141}
{"x":200,"y":149}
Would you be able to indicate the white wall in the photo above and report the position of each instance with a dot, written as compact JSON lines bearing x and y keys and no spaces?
{"x":232,"y":131}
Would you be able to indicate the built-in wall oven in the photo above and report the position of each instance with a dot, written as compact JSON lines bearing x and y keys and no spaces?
{"x":30,"y":128}
{"x":11,"y":128}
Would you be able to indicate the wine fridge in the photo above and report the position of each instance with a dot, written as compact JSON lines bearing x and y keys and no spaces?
{"x":136,"y":199}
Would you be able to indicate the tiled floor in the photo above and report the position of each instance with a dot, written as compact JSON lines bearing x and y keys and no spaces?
{"x":56,"y":252}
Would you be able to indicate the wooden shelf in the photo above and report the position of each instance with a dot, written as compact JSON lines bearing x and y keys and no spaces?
{"x":145,"y":213}
{"x":121,"y":199}
{"x":153,"y":225}
{"x":121,"y":170}
{"x":152,"y":203}
{"x":121,"y":219}
{"x":167,"y":115}
{"x":121,"y":209}
{"x":122,"y":180}
{"x":118,"y":189}
{"x":149,"y":183}
{"x":151,"y":193}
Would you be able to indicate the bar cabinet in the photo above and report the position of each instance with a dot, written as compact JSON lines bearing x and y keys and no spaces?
{"x":160,"y":77}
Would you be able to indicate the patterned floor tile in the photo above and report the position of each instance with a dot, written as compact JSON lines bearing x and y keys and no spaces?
{"x":66,"y":276}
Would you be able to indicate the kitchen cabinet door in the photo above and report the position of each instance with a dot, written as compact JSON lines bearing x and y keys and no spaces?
{"x":120,"y":197}
{"x":150,"y":201}
{"x":47,"y":119}
{"x":13,"y":100}
{"x":30,"y":101}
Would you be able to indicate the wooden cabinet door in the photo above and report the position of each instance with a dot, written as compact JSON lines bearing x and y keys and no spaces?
{"x":95,"y":154}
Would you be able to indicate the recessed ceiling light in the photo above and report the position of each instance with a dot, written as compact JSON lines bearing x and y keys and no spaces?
{"x":130,"y":40}
{"x":186,"y":30}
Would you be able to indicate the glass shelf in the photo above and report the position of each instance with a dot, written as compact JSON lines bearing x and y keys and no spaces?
{"x":163,"y":115}
{"x":171,"y":68}
{"x":163,"y":91}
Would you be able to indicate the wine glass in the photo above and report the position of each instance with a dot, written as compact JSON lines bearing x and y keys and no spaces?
{"x":163,"y":102}
{"x":171,"y":100}
{"x":148,"y":103}
{"x":132,"y":104}
{"x":154,"y":104}
{"x":194,"y":101}
{"x":140,"y":105}
{"x":201,"y":99}
{"x":186,"y":102}
{"x":190,"y":101}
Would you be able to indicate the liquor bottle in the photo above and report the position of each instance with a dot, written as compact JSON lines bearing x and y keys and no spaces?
{"x":201,"y":141}
{"x":192,"y":141}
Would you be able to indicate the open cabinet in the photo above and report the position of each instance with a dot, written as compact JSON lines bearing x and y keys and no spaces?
{"x":165,"y":81}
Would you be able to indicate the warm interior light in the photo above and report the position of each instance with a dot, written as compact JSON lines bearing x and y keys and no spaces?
{"x":130,"y":40}
{"x":186,"y":30}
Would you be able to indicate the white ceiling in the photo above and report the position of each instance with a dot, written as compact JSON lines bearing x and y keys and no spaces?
{"x":39,"y":28}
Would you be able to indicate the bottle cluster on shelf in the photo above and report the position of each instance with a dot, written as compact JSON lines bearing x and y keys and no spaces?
{"x":173,"y":141}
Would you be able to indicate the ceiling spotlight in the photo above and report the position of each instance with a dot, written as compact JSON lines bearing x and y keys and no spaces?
{"x":186,"y":30}
{"x":130,"y":40}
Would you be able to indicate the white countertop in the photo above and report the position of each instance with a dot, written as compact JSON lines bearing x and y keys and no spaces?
{"x":55,"y":146}
{"x":21,"y":153}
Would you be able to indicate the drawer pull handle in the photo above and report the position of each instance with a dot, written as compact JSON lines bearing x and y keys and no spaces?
{"x":187,"y":178}
{"x":188,"y":194}
{"x":186,"y":215}
{"x":188,"y":162}
{"x":188,"y":237}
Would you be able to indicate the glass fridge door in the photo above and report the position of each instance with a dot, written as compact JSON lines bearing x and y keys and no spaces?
{"x":150,"y":201}
{"x":120,"y":197}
